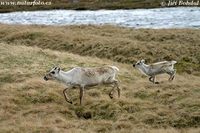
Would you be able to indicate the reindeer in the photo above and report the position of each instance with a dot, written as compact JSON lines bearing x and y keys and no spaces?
{"x":85,"y":77}
{"x":156,"y":68}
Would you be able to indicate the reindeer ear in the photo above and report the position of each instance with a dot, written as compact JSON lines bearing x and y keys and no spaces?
{"x":143,"y":61}
{"x":58,"y":69}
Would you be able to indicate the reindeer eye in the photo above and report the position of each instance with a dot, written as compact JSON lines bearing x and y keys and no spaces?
{"x":53,"y":72}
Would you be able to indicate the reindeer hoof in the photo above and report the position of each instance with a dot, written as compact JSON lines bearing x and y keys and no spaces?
{"x":157,"y":82}
{"x":111,"y":96}
{"x":70,"y":102}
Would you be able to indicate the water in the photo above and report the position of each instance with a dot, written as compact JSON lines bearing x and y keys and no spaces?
{"x":181,"y":17}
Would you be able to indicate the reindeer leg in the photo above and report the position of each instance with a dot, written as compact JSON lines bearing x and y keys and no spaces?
{"x":154,"y":80}
{"x":116,"y":85}
{"x":150,"y":79}
{"x":109,"y":81}
{"x":81,"y":94}
{"x":118,"y":89}
{"x":172,"y":75}
{"x":111,"y":93}
{"x":66,"y":96}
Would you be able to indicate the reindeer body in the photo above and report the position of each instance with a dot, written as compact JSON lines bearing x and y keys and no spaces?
{"x":157,"y":68}
{"x":85,"y":77}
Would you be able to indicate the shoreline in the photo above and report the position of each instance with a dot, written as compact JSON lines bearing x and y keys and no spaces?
{"x":86,"y":5}
{"x":82,"y":5}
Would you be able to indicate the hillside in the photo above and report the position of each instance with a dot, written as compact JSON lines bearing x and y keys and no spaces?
{"x":125,"y":45}
{"x":30,"y":104}
{"x":80,"y":5}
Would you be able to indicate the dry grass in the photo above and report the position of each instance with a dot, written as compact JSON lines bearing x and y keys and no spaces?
{"x":29,"y":104}
{"x":116,"y":43}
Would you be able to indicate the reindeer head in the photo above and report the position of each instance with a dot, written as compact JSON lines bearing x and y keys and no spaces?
{"x":52,"y":74}
{"x":139,"y":63}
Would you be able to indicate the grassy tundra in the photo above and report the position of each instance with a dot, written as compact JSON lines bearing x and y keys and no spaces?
{"x":119,"y":44}
{"x":30,"y":104}
{"x":84,"y":5}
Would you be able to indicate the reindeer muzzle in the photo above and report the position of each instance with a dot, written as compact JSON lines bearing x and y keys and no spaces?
{"x":45,"y":78}
{"x":133,"y":65}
